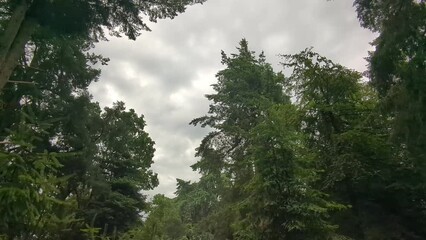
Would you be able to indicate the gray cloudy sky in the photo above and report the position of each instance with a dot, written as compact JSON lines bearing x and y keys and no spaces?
{"x":165,"y":73}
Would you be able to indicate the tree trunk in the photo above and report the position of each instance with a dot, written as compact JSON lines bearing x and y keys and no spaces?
{"x":16,"y":50}
{"x":12,"y":30}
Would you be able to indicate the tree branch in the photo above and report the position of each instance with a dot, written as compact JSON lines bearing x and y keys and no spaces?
{"x":24,"y":82}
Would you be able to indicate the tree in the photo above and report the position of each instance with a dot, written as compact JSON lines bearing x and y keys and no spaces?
{"x":86,"y":19}
{"x":163,"y":221}
{"x":28,"y":182}
{"x":253,"y":159}
{"x":398,"y":66}
{"x":202,"y":207}
{"x":97,"y":191}
{"x":283,"y":202}
{"x":60,"y":100}
{"x":245,"y":89}
{"x":349,"y":134}
{"x":124,"y":157}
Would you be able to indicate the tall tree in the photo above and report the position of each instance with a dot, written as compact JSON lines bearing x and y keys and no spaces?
{"x":398,"y":66}
{"x":28,"y":182}
{"x":397,"y":69}
{"x":164,"y":221}
{"x":245,"y":89}
{"x":268,"y":189}
{"x":124,"y":157}
{"x":59,"y":94}
{"x":104,"y":176}
{"x":349,"y":134}
{"x":283,"y":202}
{"x":202,"y":207}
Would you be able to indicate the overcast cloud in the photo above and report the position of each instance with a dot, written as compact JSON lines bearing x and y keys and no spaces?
{"x":165,"y":74}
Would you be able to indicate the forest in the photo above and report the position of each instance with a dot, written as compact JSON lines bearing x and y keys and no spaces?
{"x":314,"y":151}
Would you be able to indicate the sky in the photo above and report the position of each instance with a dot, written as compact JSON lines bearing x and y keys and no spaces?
{"x":165,"y":74}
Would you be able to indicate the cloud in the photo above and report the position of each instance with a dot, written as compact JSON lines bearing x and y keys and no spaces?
{"x":165,"y":74}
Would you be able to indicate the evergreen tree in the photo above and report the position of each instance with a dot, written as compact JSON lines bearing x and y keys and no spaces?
{"x":397,"y":68}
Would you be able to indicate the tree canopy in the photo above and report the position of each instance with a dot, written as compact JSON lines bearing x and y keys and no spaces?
{"x":320,"y":152}
{"x":76,"y":18}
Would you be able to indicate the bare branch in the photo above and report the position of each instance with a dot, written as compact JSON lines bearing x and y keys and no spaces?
{"x":24,"y":82}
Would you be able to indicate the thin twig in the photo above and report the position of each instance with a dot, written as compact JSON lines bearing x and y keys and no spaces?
{"x":35,"y":68}
{"x":24,"y":82}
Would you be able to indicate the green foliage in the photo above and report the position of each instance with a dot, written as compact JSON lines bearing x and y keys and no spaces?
{"x":283,"y":202}
{"x":245,"y":89}
{"x":320,"y":168}
{"x":22,"y":21}
{"x":94,"y":189}
{"x":397,"y":69}
{"x":28,"y":182}
{"x":163,"y":223}
{"x":119,"y":17}
{"x":105,"y":155}
{"x":320,"y":154}
{"x":398,"y":65}
{"x":100,"y":184}
{"x":333,"y":104}
{"x":123,"y":158}
{"x":260,"y":173}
